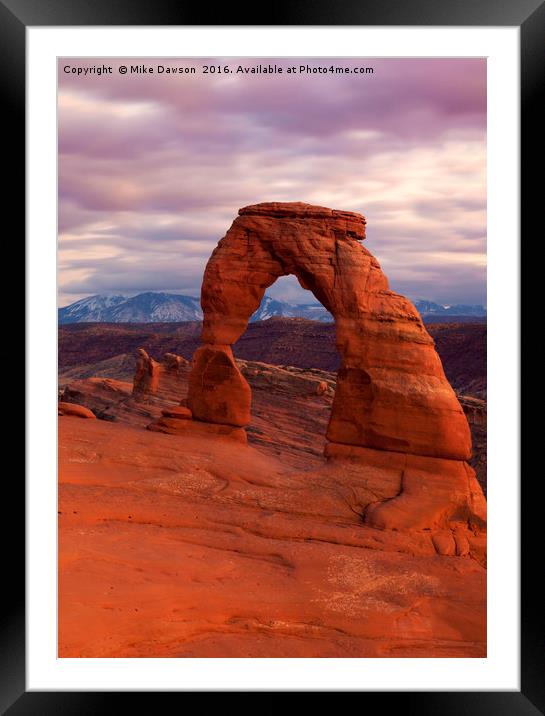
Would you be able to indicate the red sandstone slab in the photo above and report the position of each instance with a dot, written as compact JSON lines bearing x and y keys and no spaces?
{"x":174,"y":546}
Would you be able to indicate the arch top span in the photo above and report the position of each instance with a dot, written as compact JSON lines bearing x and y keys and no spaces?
{"x":300,"y":210}
{"x":320,"y":246}
{"x":392,"y":393}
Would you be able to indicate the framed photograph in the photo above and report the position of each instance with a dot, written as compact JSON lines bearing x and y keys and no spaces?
{"x":272,"y":289}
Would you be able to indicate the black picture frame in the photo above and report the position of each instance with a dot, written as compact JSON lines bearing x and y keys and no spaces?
{"x":529,"y":15}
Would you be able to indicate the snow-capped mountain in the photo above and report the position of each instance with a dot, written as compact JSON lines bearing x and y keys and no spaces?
{"x":157,"y":308}
{"x":271,"y":307}
{"x":151,"y":307}
{"x":428,"y":308}
{"x":146,"y":307}
{"x":92,"y":309}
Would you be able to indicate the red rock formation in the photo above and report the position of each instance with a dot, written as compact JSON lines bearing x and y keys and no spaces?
{"x":217,"y":392}
{"x":146,"y":377}
{"x":79,"y":411}
{"x":178,"y":421}
{"x":173,"y":363}
{"x":392,"y":393}
{"x":192,"y":428}
{"x":435,"y":494}
{"x":154,"y":382}
{"x":177,"y":412}
{"x":475,"y":410}
{"x":321,"y":388}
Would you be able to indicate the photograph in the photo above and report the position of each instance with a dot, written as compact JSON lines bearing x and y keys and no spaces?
{"x":272,"y":365}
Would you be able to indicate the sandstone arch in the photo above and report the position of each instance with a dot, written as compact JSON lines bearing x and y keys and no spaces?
{"x":391,"y":394}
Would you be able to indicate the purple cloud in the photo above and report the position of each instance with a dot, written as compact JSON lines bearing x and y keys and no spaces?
{"x":153,"y":168}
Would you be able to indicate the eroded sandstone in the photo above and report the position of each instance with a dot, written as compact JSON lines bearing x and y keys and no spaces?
{"x":391,"y":391}
{"x":186,"y":546}
{"x":79,"y":411}
{"x":146,"y":377}
{"x":218,"y":393}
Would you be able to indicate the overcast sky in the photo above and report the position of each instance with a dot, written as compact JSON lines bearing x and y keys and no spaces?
{"x":153,"y":168}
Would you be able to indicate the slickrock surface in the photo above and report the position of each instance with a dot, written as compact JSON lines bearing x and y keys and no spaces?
{"x":186,"y":545}
{"x":289,"y":413}
{"x":286,"y":417}
{"x":111,"y":400}
{"x":174,"y":546}
{"x":190,"y":545}
{"x":120,"y":367}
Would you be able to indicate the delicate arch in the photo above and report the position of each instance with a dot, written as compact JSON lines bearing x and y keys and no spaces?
{"x":392,"y":393}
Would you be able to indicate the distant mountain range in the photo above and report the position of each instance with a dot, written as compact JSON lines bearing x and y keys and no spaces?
{"x":151,"y":307}
{"x":147,"y":307}
{"x":428,"y":308}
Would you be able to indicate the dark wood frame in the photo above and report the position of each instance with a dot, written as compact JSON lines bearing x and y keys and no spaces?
{"x":529,"y":15}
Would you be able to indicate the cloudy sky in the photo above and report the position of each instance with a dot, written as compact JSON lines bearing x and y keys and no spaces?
{"x":153,"y":168}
